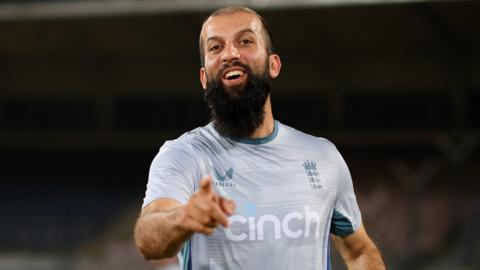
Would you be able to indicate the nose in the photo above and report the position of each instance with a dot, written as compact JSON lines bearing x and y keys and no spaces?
{"x":230,"y":53}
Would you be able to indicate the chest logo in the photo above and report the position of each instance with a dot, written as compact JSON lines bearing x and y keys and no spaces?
{"x":224,"y":180}
{"x":312,"y":174}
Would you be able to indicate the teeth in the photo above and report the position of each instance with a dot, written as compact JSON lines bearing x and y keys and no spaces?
{"x":233,"y":73}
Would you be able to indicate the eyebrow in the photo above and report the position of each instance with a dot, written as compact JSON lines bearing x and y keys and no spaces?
{"x":239,"y":33}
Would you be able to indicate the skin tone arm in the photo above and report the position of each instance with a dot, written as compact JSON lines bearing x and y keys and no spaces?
{"x":359,"y":252}
{"x":164,"y":225}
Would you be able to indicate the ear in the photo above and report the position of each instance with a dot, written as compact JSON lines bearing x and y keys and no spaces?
{"x":275,"y":64}
{"x":203,"y":78}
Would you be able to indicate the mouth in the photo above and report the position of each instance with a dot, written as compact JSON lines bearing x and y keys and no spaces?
{"x":233,"y":77}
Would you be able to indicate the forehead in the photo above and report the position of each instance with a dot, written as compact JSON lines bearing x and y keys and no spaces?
{"x":226,"y":25}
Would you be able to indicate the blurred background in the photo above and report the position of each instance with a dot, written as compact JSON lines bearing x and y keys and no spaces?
{"x":90,"y":89}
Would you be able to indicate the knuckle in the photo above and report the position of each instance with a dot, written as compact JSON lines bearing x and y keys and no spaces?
{"x":205,"y":220}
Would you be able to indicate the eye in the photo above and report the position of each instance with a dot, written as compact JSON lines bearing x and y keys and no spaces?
{"x":214,"y":48}
{"x":246,"y":41}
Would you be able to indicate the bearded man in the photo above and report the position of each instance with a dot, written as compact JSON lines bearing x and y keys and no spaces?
{"x":246,"y":191}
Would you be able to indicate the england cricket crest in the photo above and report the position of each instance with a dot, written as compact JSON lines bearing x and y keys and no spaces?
{"x":312,"y":174}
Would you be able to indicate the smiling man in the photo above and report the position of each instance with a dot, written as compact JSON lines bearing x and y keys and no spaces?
{"x":246,"y":191}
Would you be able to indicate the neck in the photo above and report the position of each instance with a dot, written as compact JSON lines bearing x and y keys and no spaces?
{"x":268,"y":124}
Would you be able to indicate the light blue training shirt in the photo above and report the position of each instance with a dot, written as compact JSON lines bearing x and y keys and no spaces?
{"x":291,"y":190}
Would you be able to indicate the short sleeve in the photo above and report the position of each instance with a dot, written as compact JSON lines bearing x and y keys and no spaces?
{"x":172,"y":174}
{"x":346,"y":217}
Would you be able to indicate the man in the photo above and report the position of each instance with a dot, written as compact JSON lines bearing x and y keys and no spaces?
{"x":245,"y":191}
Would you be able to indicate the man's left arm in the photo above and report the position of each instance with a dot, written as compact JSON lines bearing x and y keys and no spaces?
{"x":358,"y":251}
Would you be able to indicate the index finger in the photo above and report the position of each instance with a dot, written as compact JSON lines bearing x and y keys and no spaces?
{"x":206,"y":185}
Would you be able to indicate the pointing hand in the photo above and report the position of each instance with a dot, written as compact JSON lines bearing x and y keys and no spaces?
{"x":206,"y":210}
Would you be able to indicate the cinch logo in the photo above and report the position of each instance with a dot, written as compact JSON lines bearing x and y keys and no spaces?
{"x":280,"y":227}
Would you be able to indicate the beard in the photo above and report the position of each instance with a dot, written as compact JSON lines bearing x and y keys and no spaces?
{"x":238,"y":111}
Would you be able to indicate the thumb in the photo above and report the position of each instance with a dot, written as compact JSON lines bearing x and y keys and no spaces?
{"x":228,"y":206}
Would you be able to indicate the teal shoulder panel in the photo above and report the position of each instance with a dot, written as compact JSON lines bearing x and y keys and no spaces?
{"x":341,"y":225}
{"x":187,"y":263}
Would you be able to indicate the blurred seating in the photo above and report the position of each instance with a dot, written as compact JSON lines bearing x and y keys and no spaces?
{"x":55,"y":218}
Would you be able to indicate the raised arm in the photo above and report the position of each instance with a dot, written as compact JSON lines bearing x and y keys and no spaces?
{"x":164,"y":225}
{"x":358,"y":251}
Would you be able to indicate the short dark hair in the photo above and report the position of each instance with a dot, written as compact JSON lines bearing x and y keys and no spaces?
{"x":230,"y":10}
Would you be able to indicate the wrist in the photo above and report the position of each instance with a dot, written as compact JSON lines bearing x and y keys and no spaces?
{"x":180,"y":221}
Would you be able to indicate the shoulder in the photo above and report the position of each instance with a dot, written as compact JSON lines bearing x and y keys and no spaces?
{"x":190,"y":143}
{"x":294,"y":135}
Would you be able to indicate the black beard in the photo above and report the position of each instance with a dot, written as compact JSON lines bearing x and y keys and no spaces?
{"x":237,"y":112}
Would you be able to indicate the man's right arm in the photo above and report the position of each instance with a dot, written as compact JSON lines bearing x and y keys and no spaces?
{"x":158,"y":233}
{"x":164,"y":225}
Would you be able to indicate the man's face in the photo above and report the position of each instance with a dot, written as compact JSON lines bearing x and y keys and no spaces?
{"x":237,"y":72}
{"x":232,"y":42}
